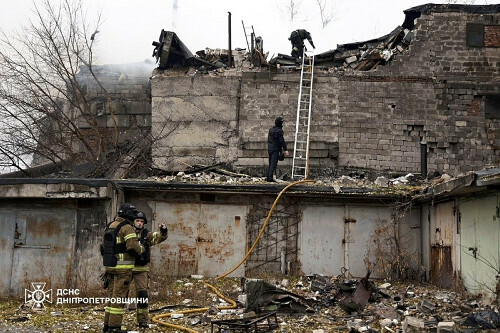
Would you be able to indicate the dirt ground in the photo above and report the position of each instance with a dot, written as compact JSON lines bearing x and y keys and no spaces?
{"x":390,"y":311}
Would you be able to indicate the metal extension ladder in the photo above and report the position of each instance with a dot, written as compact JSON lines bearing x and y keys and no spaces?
{"x":300,"y":165}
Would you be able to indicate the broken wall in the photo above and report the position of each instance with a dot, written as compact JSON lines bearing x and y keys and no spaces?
{"x":128,"y":107}
{"x":235,"y":114}
{"x":129,"y":89}
{"x":440,"y":90}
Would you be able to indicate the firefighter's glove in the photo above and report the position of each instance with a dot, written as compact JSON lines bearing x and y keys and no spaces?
{"x":163,"y":228}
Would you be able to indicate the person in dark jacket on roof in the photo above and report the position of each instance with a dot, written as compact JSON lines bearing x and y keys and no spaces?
{"x":297,"y":39}
{"x":275,"y":142}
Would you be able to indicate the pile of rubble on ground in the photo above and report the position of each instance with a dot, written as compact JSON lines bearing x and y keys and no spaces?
{"x":321,"y":304}
{"x":287,"y":304}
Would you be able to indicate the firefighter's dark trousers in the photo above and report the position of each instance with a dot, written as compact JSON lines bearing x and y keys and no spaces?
{"x":117,"y":291}
{"x":141,"y":282}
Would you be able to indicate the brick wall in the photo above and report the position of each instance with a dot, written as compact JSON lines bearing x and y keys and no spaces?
{"x":435,"y":92}
{"x":129,"y":89}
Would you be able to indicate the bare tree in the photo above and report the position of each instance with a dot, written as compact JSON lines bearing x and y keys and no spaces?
{"x":327,"y":13}
{"x":44,"y":111}
{"x":293,"y":9}
{"x":388,"y":247}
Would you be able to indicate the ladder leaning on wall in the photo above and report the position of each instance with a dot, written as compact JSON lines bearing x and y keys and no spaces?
{"x":300,"y":165}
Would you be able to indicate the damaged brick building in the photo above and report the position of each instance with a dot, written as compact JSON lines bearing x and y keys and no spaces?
{"x":428,"y":89}
{"x":441,"y":89}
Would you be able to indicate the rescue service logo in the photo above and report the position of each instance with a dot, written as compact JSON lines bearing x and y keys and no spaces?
{"x":37,"y":296}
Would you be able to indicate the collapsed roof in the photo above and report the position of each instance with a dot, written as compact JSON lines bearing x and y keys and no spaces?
{"x":363,"y":56}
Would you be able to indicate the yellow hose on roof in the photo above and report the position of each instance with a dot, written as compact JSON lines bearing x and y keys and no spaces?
{"x":156,"y":319}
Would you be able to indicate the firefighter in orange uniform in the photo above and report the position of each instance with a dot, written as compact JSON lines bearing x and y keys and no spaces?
{"x":141,"y":268}
{"x":120,"y":249}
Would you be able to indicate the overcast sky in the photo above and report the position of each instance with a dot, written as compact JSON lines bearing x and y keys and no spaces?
{"x":130,"y":26}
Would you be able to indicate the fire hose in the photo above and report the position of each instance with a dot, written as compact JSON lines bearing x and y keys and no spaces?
{"x":156,"y":319}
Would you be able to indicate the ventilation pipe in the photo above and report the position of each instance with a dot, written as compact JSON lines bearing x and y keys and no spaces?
{"x":423,"y":158}
{"x":230,"y":54}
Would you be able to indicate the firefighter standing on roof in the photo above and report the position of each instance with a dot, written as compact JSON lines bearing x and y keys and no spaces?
{"x":120,"y":248}
{"x":141,"y":268}
{"x":297,"y":39}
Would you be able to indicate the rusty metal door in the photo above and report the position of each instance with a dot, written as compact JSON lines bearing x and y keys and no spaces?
{"x":177,"y":255}
{"x":203,"y":238}
{"x":443,"y":235}
{"x":362,"y":223}
{"x":8,"y":222}
{"x":480,"y":234}
{"x":321,"y":240}
{"x":221,"y":239}
{"x":43,"y":248}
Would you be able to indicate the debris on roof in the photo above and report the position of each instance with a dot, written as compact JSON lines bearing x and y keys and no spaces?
{"x":171,"y":52}
{"x":361,"y":56}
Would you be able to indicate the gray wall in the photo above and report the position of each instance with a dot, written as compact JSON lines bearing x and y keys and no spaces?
{"x":52,"y":233}
{"x":210,"y":232}
{"x":436,"y":91}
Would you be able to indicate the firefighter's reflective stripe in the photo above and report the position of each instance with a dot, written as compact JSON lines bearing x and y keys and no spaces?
{"x":125,"y":264}
{"x":131,"y":235}
{"x":141,"y":269}
{"x":115,"y":311}
{"x":154,"y":239}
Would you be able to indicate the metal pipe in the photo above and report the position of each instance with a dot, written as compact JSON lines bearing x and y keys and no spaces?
{"x":230,"y":55}
{"x":423,"y":158}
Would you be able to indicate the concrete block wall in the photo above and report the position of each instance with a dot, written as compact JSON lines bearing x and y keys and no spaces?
{"x":194,"y":120}
{"x":265,"y":96}
{"x":435,"y":91}
{"x":381,"y":123}
{"x":129,"y":91}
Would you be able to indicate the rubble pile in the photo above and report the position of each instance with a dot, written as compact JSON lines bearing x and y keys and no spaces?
{"x":170,"y":52}
{"x":315,"y":303}
{"x":409,"y":183}
{"x":365,"y":56}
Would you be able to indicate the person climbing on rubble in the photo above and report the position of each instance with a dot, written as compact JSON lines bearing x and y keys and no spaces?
{"x":297,"y":39}
{"x":119,"y":249}
{"x":275,"y":142}
{"x":140,"y":271}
